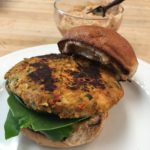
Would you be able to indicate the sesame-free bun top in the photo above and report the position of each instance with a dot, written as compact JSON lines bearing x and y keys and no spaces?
{"x":104,"y":45}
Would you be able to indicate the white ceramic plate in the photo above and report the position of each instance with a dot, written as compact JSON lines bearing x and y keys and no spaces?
{"x":128,"y":124}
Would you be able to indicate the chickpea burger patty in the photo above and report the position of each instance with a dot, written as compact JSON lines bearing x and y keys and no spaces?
{"x":69,"y":86}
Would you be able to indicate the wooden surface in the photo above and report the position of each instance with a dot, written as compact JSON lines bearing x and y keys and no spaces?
{"x":26,"y":23}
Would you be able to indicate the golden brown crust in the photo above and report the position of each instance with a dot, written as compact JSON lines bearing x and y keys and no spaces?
{"x":81,"y":136}
{"x":107,"y":41}
{"x":67,"y":86}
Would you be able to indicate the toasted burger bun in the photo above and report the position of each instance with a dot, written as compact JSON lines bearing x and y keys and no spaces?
{"x":84,"y":133}
{"x":101,"y":44}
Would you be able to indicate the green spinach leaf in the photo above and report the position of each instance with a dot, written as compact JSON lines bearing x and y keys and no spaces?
{"x":58,"y":134}
{"x":11,"y":126}
{"x":37,"y":121}
{"x":52,"y":126}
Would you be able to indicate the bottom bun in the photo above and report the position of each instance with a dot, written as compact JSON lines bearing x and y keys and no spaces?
{"x":84,"y":133}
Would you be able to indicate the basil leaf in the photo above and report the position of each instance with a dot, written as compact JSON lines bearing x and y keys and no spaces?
{"x":11,"y":126}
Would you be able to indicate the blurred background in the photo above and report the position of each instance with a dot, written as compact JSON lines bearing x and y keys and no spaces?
{"x":26,"y":23}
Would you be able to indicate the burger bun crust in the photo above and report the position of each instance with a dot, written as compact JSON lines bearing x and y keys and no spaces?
{"x":102,"y":40}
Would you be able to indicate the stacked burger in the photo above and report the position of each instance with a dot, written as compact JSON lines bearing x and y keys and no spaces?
{"x":61,"y":100}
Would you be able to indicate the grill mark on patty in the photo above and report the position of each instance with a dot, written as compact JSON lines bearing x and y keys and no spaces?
{"x":53,"y":56}
{"x":43,"y":75}
{"x":85,"y":76}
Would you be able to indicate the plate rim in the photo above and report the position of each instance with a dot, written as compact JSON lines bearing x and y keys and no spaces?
{"x":48,"y":50}
{"x":47,"y":45}
{"x":26,"y":49}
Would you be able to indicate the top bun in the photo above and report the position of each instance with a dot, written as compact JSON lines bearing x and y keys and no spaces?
{"x":103,"y":45}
